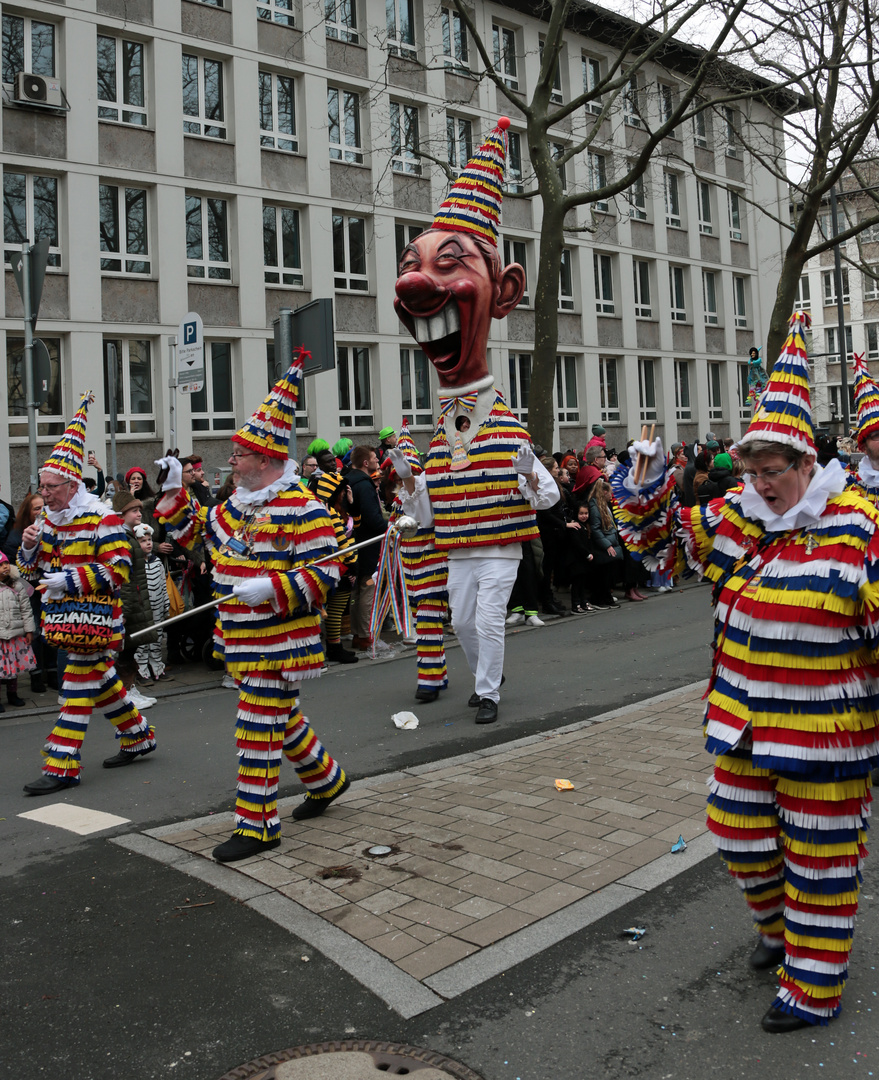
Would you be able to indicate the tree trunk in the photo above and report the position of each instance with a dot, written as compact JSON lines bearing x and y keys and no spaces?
{"x":541,"y":404}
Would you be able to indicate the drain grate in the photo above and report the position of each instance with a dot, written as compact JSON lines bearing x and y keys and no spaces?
{"x":352,"y":1060}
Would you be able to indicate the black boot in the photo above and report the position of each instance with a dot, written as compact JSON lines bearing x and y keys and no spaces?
{"x":340,"y":654}
{"x":38,"y":683}
{"x":14,"y":699}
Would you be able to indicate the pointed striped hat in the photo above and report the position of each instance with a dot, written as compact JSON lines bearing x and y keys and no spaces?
{"x":784,"y":411}
{"x":406,"y":443}
{"x":474,"y":203}
{"x":866,"y":400}
{"x":268,"y":430}
{"x":66,"y":458}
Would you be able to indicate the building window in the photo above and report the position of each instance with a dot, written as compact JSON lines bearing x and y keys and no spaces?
{"x":715,"y":395}
{"x":504,"y":45}
{"x":340,"y":20}
{"x":282,"y":248}
{"x":672,"y":201}
{"x":704,"y":195}
{"x":277,"y":112}
{"x":207,"y":238}
{"x":213,"y":407}
{"x":608,"y":389}
{"x":566,"y":281}
{"x":632,"y":102}
{"x":50,"y":418}
{"x":401,"y":28}
{"x":455,"y":53}
{"x":678,"y":289}
{"x":459,"y":141}
{"x":349,"y":252}
{"x":682,"y":390}
{"x":871,"y":282}
{"x":516,"y":251}
{"x":603,"y":267}
{"x":831,"y":335}
{"x":828,"y":280}
{"x":643,"y":308}
{"x":567,"y":406}
{"x":404,"y":138}
{"x":555,"y":94}
{"x":734,"y":203}
{"x":836,"y":402}
{"x":591,"y":82}
{"x":520,"y":384}
{"x":404,"y":235}
{"x":869,"y":234}
{"x":203,"y":112}
{"x":514,"y":184}
{"x":415,"y":386}
{"x":343,"y":114}
{"x":666,"y":102}
{"x":709,"y":297}
{"x":355,"y":386}
{"x":124,"y":230}
{"x":135,"y":408}
{"x":700,"y":128}
{"x":872,"y":330}
{"x":803,"y":299}
{"x":646,"y":389}
{"x":121,"y":81}
{"x":740,"y":301}
{"x":597,"y":166}
{"x":279,"y":11}
{"x":731,"y":130}
{"x":28,"y":45}
{"x":30,"y":213}
{"x":636,"y":198}
{"x":744,"y":390}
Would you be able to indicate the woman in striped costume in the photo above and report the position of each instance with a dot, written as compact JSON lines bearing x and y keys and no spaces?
{"x":792,"y":703}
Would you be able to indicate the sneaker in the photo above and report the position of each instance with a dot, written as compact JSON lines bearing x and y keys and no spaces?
{"x":139,"y":700}
{"x":229,"y":683}
{"x":533,"y":620}
{"x":516,"y":619}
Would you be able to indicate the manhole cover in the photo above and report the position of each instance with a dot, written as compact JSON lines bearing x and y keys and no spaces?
{"x":352,"y":1060}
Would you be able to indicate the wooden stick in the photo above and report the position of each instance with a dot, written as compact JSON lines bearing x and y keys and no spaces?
{"x":643,"y":459}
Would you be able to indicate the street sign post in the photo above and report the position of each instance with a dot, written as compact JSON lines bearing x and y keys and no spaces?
{"x":190,"y":354}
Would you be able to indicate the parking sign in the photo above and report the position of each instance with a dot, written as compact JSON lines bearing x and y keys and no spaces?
{"x":190,"y":354}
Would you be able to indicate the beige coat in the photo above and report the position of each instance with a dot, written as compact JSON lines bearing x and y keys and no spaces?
{"x":16,"y":617}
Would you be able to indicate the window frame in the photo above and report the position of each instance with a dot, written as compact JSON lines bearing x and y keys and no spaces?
{"x":677,"y":281}
{"x":348,"y":111}
{"x":274,"y":11}
{"x":647,"y":382}
{"x":556,"y":94}
{"x":415,"y":386}
{"x":715,"y":392}
{"x":271,"y":138}
{"x":401,"y":30}
{"x":590,"y":67}
{"x":126,"y":112}
{"x":215,"y":269}
{"x":566,"y":280}
{"x":683,"y":404}
{"x":831,"y":348}
{"x":343,"y":24}
{"x":122,"y":255}
{"x":515,"y":177}
{"x":703,"y":199}
{"x":731,"y":121}
{"x":596,"y":168}
{"x":641,"y":274}
{"x":803,"y":299}
{"x":455,"y":144}
{"x":55,"y":252}
{"x":456,"y":47}
{"x":672,"y":193}
{"x":50,"y":424}
{"x":124,"y":413}
{"x":666,"y":101}
{"x":631,"y":94}
{"x":869,"y":283}
{"x":871,"y":338}
{"x":279,"y":270}
{"x":510,"y":255}
{"x":609,"y":389}
{"x":201,"y":119}
{"x":735,"y":214}
{"x":351,"y":280}
{"x":565,"y":380}
{"x":603,"y":271}
{"x":404,"y":233}
{"x":740,"y":301}
{"x":27,"y":50}
{"x":347,"y":372}
{"x":405,"y":156}
{"x":828,"y":285}
{"x":700,"y":128}
{"x":506,"y":62}
{"x":710,"y":293}
{"x":637,"y":210}
{"x":212,"y":420}
{"x":519,"y":369}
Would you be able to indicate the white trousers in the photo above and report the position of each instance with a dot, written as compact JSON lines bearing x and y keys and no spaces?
{"x":479,"y":590}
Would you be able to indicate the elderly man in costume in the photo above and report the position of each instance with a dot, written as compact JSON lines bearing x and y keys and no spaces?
{"x":262,"y":541}
{"x":78,"y":552}
{"x":792,"y":702}
{"x":482,"y":483}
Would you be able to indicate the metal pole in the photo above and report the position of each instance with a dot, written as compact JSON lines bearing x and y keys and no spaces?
{"x":112,"y":389}
{"x":840,"y":315}
{"x":28,"y":360}
{"x":172,"y":385}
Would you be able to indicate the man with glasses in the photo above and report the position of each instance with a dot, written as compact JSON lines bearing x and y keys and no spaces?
{"x":77,"y":552}
{"x":262,"y":542}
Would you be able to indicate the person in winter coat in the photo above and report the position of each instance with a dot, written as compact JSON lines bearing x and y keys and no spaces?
{"x":611,"y":560}
{"x":597,"y":438}
{"x":720,"y":479}
{"x":579,"y":559}
{"x":137,"y":612}
{"x":148,"y":655}
{"x":700,"y":477}
{"x":17,"y":627}
{"x":369,"y":521}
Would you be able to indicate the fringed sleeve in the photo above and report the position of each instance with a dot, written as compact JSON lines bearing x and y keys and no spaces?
{"x":646,"y":521}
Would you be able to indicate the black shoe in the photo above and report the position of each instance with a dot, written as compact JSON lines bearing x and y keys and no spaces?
{"x":777,"y":1022}
{"x":126,"y":757}
{"x":487,"y":713}
{"x":46,"y":785}
{"x":425,"y":693}
{"x":474,"y":701}
{"x":554,"y":609}
{"x":311,"y":807}
{"x":766,"y":956}
{"x":340,"y":654}
{"x":38,"y":683}
{"x":15,"y":700}
{"x":242,"y":847}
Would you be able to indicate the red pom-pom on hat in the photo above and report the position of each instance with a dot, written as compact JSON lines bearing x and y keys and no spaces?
{"x":503,"y":123}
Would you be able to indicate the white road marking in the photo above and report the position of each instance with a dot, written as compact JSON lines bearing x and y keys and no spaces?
{"x":76,"y":819}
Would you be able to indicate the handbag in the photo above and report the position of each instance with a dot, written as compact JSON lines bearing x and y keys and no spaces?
{"x":175,"y":600}
{"x":81,"y":624}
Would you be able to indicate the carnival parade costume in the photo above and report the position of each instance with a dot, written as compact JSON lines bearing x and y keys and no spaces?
{"x":792,"y":702}
{"x":86,"y":542}
{"x":865,"y":477}
{"x":271,"y":646}
{"x":326,"y":488}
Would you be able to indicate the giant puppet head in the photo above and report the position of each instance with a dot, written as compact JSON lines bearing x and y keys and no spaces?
{"x":451,"y":283}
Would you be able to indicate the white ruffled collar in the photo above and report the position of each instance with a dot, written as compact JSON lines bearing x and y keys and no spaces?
{"x":81,"y":501}
{"x":287,"y":479}
{"x":824,"y":484}
{"x":867,"y":473}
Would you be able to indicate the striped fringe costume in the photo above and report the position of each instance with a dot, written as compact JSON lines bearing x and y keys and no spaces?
{"x":338,"y":602}
{"x":792,"y":717}
{"x":427,"y":572}
{"x":270,"y":648}
{"x":94,"y":552}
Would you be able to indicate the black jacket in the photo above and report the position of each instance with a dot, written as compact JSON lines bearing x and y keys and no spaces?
{"x":369,"y":521}
{"x":718,"y":483}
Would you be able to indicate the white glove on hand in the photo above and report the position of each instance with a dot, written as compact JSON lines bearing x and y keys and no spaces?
{"x":401,"y":466}
{"x":255,"y":592}
{"x":55,"y":584}
{"x":524,"y":463}
{"x":655,"y":460}
{"x":174,"y":478}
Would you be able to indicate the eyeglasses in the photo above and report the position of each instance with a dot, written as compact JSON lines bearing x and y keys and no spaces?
{"x":237,"y":456}
{"x":769,"y":475}
{"x":51,"y":487}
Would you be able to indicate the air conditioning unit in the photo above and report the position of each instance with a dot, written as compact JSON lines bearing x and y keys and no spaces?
{"x":38,"y":90}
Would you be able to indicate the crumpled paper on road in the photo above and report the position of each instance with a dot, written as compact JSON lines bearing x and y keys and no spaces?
{"x":406,"y":720}
{"x":564,"y":785}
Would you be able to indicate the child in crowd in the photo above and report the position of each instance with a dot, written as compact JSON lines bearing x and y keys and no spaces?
{"x":148,"y":658}
{"x":579,"y":560}
{"x":17,"y":628}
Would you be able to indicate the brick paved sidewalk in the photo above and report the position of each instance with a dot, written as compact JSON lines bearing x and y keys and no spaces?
{"x":485,"y":846}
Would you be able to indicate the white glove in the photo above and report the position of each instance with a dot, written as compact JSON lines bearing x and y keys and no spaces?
{"x":255,"y":592}
{"x":524,"y":463}
{"x":401,"y":466}
{"x":655,"y":460}
{"x":174,"y":478}
{"x":55,"y":584}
